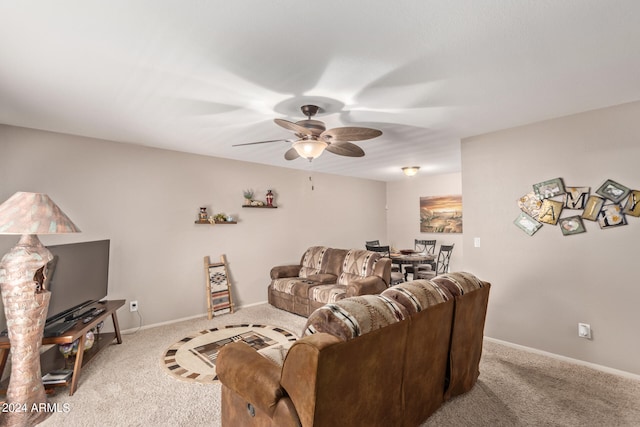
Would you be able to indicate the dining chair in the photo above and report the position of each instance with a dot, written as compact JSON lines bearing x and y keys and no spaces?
{"x":442,"y":264}
{"x":423,"y":247}
{"x":396,"y":274}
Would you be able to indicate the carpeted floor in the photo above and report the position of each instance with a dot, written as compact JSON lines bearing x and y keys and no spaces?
{"x":126,"y":385}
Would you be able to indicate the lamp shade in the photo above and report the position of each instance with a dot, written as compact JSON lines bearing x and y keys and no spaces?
{"x":33,"y":213}
{"x":309,"y":148}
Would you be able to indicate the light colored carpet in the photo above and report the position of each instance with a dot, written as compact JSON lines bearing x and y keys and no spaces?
{"x":125,"y":385}
{"x":520,"y":388}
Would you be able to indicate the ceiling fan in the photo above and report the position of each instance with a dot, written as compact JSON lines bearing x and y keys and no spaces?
{"x":313,"y":138}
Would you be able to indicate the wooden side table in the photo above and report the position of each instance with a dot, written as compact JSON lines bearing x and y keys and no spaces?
{"x":79,"y":331}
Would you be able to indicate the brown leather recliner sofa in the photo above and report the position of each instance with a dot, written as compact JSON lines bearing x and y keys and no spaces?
{"x":373,"y":360}
{"x":326,"y":275}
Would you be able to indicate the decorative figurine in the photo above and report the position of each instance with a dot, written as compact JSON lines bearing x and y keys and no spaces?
{"x":203,"y":214}
{"x":269,"y":198}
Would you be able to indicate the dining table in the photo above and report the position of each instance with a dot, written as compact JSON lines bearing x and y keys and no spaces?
{"x":407,"y":257}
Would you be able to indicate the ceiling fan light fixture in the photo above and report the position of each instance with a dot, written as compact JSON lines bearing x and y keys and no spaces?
{"x":410,"y":170}
{"x":313,"y":137}
{"x":309,"y":148}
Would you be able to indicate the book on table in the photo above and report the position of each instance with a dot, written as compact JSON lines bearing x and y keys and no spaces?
{"x":59,"y":376}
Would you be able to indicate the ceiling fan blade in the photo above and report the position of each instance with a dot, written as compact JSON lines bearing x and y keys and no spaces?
{"x":350,"y":134}
{"x":345,"y":149}
{"x":293,"y":126}
{"x":291,"y":154}
{"x":263,"y":142}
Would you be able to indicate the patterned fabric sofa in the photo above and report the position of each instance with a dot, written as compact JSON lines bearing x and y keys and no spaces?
{"x":375,"y":360}
{"x":326,"y":275}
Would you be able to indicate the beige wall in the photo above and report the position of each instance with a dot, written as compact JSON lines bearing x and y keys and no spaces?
{"x":146,"y":200}
{"x":545,"y":284}
{"x":403,"y":212}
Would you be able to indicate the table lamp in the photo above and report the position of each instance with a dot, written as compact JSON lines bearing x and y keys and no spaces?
{"x":25,"y":300}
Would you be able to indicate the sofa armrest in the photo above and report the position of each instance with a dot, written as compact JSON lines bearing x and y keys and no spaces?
{"x":283,"y":271}
{"x":252,"y":376}
{"x":300,"y":373}
{"x":371,"y":285}
{"x":383,"y":270}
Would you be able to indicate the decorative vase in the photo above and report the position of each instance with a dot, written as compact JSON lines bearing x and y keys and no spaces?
{"x":89,"y":340}
{"x":71,"y":349}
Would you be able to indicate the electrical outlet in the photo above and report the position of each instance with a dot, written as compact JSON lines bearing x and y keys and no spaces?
{"x":584,"y":330}
{"x":133,"y":305}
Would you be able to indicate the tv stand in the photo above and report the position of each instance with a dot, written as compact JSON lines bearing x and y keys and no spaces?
{"x":79,"y":331}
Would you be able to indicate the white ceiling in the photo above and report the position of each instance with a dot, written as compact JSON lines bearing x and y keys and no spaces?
{"x":201,"y":75}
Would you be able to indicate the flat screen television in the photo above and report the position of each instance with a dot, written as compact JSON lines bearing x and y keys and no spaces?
{"x":79,"y":278}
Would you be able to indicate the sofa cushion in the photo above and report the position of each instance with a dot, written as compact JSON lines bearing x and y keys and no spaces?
{"x":458,"y":283}
{"x":312,"y":261}
{"x":333,"y":260}
{"x":327,"y":293}
{"x":323,"y":278}
{"x":417,"y":295}
{"x":358,"y":264}
{"x":355,"y":316}
{"x":293,"y":286}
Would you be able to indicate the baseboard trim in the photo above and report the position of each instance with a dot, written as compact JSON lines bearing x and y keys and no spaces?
{"x":595,"y":366}
{"x":182,"y":319}
{"x":254,"y":304}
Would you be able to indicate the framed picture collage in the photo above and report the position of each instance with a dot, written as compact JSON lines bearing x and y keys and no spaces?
{"x":567,"y":207}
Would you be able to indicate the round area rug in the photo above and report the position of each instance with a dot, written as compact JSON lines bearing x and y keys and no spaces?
{"x":193,"y":358}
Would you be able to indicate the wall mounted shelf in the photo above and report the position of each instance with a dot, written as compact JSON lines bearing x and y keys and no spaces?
{"x":261,"y":207}
{"x":217,"y":222}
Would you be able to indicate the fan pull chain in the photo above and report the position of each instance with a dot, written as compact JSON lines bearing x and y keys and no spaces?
{"x":311,"y":181}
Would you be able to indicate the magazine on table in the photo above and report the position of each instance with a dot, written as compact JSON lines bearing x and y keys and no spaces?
{"x":58,"y":376}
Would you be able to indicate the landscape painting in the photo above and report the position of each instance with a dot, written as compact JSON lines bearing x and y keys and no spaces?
{"x":441,"y":214}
